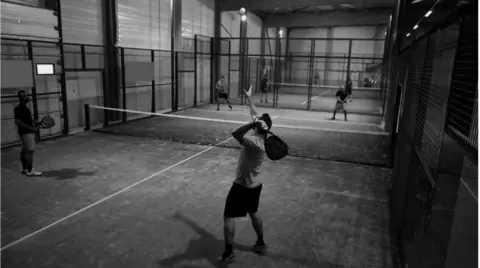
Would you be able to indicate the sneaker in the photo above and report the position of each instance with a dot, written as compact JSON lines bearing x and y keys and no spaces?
{"x":33,"y":173}
{"x":333,"y":118}
{"x":260,"y":248}
{"x":226,"y":259}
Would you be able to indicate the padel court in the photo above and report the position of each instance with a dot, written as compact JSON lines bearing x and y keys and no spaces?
{"x":143,"y":194}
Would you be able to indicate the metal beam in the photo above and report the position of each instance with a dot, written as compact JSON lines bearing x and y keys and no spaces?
{"x":330,"y":19}
{"x":269,"y":5}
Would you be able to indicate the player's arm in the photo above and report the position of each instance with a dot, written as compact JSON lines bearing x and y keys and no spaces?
{"x":253,"y":109}
{"x":240,"y":132}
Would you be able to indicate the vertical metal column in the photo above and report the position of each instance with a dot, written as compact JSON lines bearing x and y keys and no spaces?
{"x":349,"y":58}
{"x":34,"y":87}
{"x":63,"y":83}
{"x":213,"y":92}
{"x":124,"y":88}
{"x":195,"y":39}
{"x":310,"y":74}
{"x":175,"y":99}
{"x":153,"y":82}
{"x":229,"y":63}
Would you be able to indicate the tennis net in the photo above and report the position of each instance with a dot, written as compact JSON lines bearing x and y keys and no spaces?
{"x":327,"y":141}
{"x":325,"y":90}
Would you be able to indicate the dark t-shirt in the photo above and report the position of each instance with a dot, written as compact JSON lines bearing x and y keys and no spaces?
{"x":348,"y":88}
{"x":22,"y":113}
{"x":342,"y":94}
{"x":264,"y":83}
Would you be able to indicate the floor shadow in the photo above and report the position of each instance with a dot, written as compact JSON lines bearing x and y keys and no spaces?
{"x":66,"y":173}
{"x":210,"y":248}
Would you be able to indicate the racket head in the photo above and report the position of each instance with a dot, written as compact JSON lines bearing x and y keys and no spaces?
{"x":47,"y":121}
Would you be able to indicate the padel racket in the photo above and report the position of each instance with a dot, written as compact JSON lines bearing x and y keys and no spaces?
{"x":47,"y":122}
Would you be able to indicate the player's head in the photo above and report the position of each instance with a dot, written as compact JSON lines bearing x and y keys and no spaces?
{"x":268,"y":121}
{"x":22,"y":96}
{"x":342,"y":88}
{"x":222,"y":78}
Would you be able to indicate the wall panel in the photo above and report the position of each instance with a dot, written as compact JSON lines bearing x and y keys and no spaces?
{"x":26,"y":21}
{"x":144,"y":24}
{"x":82,"y":21}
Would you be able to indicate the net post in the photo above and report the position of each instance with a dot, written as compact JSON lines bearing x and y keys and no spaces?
{"x":124,"y":88}
{"x":152,"y":55}
{"x":195,"y":40}
{"x":87,"y":117}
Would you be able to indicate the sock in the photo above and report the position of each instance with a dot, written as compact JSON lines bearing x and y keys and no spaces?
{"x":260,"y":240}
{"x":228,"y":248}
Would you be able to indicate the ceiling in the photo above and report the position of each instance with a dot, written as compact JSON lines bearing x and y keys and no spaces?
{"x":288,"y":7}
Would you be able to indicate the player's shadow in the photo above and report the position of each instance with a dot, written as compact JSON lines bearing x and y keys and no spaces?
{"x":66,"y":173}
{"x":210,"y":248}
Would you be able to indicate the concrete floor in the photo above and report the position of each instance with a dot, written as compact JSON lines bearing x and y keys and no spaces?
{"x":116,"y":201}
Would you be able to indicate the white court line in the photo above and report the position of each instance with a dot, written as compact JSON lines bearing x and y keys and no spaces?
{"x":320,"y":95}
{"x":109,"y":197}
{"x":293,"y":118}
{"x":468,"y":189}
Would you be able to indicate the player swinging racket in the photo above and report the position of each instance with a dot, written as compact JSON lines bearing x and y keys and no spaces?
{"x":222,"y":92}
{"x":244,"y":195}
{"x":341,"y":100}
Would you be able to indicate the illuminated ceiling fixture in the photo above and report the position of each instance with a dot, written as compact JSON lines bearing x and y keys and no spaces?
{"x":415,"y":27}
{"x":408,"y":34}
{"x":428,"y":14}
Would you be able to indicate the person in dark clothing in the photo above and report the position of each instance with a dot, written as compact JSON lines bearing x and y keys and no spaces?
{"x":341,"y":100}
{"x":264,"y":88}
{"x":26,"y":130}
{"x":348,"y":89}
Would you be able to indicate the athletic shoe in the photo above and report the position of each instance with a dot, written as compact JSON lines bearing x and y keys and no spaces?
{"x":226,"y":259}
{"x":259,"y":248}
{"x":33,"y":173}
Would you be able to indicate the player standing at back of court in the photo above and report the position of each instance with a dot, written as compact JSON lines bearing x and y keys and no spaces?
{"x":222,"y":92}
{"x":26,"y":131}
{"x":244,"y":195}
{"x":341,"y":100}
{"x":264,"y":88}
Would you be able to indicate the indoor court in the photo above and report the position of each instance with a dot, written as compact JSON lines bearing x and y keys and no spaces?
{"x":126,"y":201}
{"x":127,"y":109}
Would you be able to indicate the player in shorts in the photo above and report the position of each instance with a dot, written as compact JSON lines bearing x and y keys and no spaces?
{"x":264,"y":88}
{"x":316,"y":80}
{"x":222,"y":92}
{"x":341,"y":100}
{"x":244,"y":195}
{"x":348,"y":89}
{"x":26,"y":131}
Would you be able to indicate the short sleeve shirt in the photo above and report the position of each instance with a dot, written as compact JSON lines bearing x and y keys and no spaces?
{"x":250,"y":161}
{"x":23,"y":114}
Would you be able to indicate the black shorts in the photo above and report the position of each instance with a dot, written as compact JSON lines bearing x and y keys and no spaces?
{"x":223,"y":96}
{"x":241,"y":200}
{"x":264,"y":89}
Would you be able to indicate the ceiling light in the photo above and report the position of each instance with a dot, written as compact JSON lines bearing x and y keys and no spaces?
{"x":408,"y":34}
{"x":428,"y":14}
{"x":415,"y":27}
